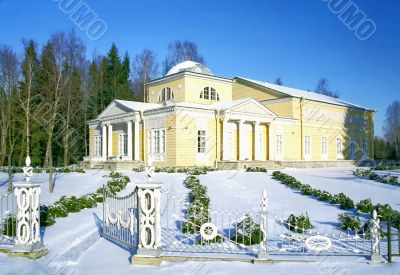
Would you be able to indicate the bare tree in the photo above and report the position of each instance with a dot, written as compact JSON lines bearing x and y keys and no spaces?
{"x":9,"y":76}
{"x":392,"y":125}
{"x":144,"y":69}
{"x":179,"y":51}
{"x":324,"y":88}
{"x":54,"y":77}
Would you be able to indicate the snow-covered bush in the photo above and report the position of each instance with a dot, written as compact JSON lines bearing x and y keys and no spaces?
{"x":370,"y":174}
{"x":197,"y":213}
{"x":349,"y":222}
{"x":138,"y":169}
{"x":256,"y":169}
{"x":9,"y":226}
{"x":247,"y":231}
{"x":299,"y":224}
{"x":66,"y":205}
{"x":344,"y":201}
{"x":365,"y":206}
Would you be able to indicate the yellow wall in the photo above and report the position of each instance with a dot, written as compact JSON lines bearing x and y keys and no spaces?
{"x":115,"y":149}
{"x":178,"y":87}
{"x":91,"y":141}
{"x":243,"y":91}
{"x":194,"y":86}
{"x":283,"y":109}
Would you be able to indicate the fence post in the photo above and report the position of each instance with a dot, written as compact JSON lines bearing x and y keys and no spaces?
{"x":375,"y":237}
{"x":263,"y":253}
{"x":28,"y":241}
{"x":389,"y":239}
{"x":149,"y":223}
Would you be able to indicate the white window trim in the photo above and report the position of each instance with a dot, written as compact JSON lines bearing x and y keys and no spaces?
{"x":98,"y":146}
{"x":339,"y":156}
{"x":324,"y":156}
{"x":307,"y":155}
{"x":160,"y":156}
{"x":202,"y":157}
{"x":365,"y":148}
{"x":353,"y":148}
{"x":163,"y":94}
{"x":121,"y":150}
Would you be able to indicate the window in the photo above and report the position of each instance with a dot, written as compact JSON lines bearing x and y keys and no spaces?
{"x":157,"y":144}
{"x":209,"y":93}
{"x":352,"y":147}
{"x":324,"y":146}
{"x":279,"y":145}
{"x":166,"y":94}
{"x":123,"y":144}
{"x":339,"y":147}
{"x":97,"y":144}
{"x":365,"y":147}
{"x":307,"y":145}
{"x":201,"y":141}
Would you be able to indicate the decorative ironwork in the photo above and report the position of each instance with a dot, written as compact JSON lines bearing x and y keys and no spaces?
{"x":208,"y":231}
{"x":318,"y":243}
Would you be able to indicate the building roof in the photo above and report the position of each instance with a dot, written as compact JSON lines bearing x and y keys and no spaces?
{"x":137,"y":106}
{"x":302,"y":94}
{"x":189,"y":66}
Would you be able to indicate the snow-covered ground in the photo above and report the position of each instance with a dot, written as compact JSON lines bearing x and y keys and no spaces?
{"x":336,"y":180}
{"x":75,"y":246}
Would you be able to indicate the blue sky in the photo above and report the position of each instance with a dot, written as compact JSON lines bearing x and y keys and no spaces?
{"x":299,"y":40}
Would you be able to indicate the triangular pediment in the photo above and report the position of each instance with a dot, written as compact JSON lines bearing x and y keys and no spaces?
{"x":114,"y":109}
{"x":250,"y":106}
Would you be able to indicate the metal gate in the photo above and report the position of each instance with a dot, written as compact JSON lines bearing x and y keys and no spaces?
{"x":252,"y":233}
{"x":8,"y":219}
{"x":120,"y":219}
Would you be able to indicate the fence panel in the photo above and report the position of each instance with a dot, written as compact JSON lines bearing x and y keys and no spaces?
{"x":8,"y":212}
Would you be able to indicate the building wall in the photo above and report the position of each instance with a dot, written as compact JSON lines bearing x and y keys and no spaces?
{"x":92,"y":133}
{"x":194,"y":86}
{"x":240,"y":91}
{"x":178,"y":87}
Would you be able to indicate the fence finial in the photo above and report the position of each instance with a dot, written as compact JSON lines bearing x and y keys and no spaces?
{"x":28,"y":170}
{"x":149,"y":169}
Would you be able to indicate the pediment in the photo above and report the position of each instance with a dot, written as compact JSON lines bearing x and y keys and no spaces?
{"x":114,"y":109}
{"x":250,"y":107}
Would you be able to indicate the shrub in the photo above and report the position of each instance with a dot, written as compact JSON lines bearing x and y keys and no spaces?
{"x":46,"y":216}
{"x":324,"y":196}
{"x":299,"y":224}
{"x":344,"y":201}
{"x":71,"y":204}
{"x":138,"y":169}
{"x":384,"y":212}
{"x":87,"y":201}
{"x":349,"y":222}
{"x":256,"y":169}
{"x":247,"y":232}
{"x":9,"y":226}
{"x":365,"y":206}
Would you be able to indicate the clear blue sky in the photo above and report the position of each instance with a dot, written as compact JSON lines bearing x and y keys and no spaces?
{"x":299,"y":40}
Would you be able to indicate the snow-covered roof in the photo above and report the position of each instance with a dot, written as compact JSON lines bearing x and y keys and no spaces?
{"x":137,"y":106}
{"x":190,"y":66}
{"x":301,"y":93}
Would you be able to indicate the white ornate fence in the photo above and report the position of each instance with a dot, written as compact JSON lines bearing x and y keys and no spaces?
{"x":20,"y":218}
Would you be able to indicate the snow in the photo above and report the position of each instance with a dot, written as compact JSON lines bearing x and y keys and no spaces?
{"x":75,"y":246}
{"x":336,"y":180}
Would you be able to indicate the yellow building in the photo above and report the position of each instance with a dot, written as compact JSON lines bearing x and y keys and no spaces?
{"x":193,"y":118}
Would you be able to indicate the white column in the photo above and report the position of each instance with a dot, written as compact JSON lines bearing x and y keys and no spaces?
{"x":104,"y":142}
{"x":136,"y":133}
{"x":110,"y":140}
{"x":225,"y":147}
{"x":271,"y":142}
{"x":257,"y":145}
{"x":129,"y":126}
{"x":242,"y":146}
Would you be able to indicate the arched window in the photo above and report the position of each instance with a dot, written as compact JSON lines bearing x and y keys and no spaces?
{"x":209,"y":93}
{"x":166,"y":94}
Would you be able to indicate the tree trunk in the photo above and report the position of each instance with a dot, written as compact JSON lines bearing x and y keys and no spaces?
{"x":10,"y":174}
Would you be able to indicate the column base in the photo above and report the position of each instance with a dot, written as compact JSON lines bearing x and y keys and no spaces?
{"x":375,"y":257}
{"x":33,"y":253}
{"x":147,"y":257}
{"x":263,"y":255}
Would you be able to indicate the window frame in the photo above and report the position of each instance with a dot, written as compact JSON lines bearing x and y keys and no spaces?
{"x":157,"y":146}
{"x":307,"y":146}
{"x":166,"y":94}
{"x":209,"y":93}
{"x":279,"y":146}
{"x":339,"y":148}
{"x":324,"y":147}
{"x":98,"y":145}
